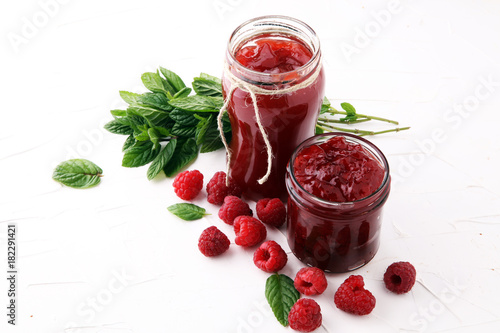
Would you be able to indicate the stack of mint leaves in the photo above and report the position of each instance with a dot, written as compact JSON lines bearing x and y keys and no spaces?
{"x":167,"y":127}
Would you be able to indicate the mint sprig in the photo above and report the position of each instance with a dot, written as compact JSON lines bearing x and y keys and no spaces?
{"x":167,"y":126}
{"x":281,"y":296}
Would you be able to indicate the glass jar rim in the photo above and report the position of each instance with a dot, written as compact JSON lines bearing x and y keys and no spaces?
{"x":358,"y":139}
{"x":277,"y":21}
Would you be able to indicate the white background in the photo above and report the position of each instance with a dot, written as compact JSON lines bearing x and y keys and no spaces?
{"x":113,"y":259}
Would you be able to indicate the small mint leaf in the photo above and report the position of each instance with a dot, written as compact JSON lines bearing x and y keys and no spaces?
{"x":281,"y":296}
{"x":351,"y":111}
{"x":77,"y":173}
{"x":187,"y":211}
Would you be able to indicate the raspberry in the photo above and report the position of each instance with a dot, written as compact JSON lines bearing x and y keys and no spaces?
{"x":270,"y":257}
{"x":400,"y":277}
{"x":305,"y":315}
{"x":271,"y":211}
{"x":232,"y":208}
{"x":213,"y":242}
{"x":353,"y":298}
{"x":217,"y":189}
{"x":249,"y":231}
{"x":188,"y":184}
{"x":310,"y":281}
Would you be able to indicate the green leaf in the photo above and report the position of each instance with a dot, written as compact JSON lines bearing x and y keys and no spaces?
{"x":187,"y":211}
{"x":153,"y":82}
{"x":173,"y":79}
{"x":153,"y":116}
{"x":184,"y":154}
{"x":116,"y":127}
{"x":184,"y":131}
{"x":139,"y":154}
{"x":129,"y":142}
{"x":211,"y":140}
{"x":154,"y":136}
{"x":162,"y":131}
{"x":325,"y":107}
{"x":156,"y":100}
{"x":201,"y":129}
{"x":198,"y":103}
{"x":184,"y":92}
{"x":184,"y":118}
{"x":119,"y":113}
{"x":351,"y":111}
{"x":130,"y":97}
{"x":281,"y":296}
{"x":162,"y":159}
{"x":77,"y":173}
{"x":207,"y":86}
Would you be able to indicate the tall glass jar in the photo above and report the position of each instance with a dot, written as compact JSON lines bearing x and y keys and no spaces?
{"x":335,"y":236}
{"x":288,"y":113}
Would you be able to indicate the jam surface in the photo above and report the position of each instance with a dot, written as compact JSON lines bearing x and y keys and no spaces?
{"x":338,"y":171}
{"x":273,"y":54}
{"x":288,"y":119}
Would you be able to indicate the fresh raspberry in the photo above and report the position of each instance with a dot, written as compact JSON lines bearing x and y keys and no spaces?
{"x":232,"y":208}
{"x":188,"y":184}
{"x":305,"y":315}
{"x":271,"y":211}
{"x":310,"y":281}
{"x":217,"y":189}
{"x":213,"y":242}
{"x":270,"y":257}
{"x":400,"y":277}
{"x":249,"y":231}
{"x":353,"y":298}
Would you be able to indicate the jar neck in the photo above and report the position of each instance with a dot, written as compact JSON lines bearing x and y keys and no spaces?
{"x":281,"y":26}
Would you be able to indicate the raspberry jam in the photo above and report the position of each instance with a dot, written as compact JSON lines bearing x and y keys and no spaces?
{"x":337,"y":185}
{"x":271,"y":53}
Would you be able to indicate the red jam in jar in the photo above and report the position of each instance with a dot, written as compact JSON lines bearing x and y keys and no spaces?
{"x":270,"y":53}
{"x":337,"y":185}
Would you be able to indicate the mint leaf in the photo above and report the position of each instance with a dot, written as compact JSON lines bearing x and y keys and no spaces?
{"x":184,"y":92}
{"x":207,"y":85}
{"x":184,"y":131}
{"x":351,"y":111}
{"x":198,"y":103}
{"x":173,"y":79}
{"x":187,"y":211}
{"x":152,"y":116}
{"x":281,"y":296}
{"x":129,"y":142}
{"x":162,"y":159}
{"x":139,"y":154}
{"x":184,"y":154}
{"x":77,"y":173}
{"x":325,"y":106}
{"x":183,"y":117}
{"x":119,"y":113}
{"x":154,"y":82}
{"x":116,"y":127}
{"x":156,"y":100}
{"x":130,"y":97}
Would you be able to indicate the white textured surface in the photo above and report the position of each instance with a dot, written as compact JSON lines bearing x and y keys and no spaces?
{"x":425,"y":66}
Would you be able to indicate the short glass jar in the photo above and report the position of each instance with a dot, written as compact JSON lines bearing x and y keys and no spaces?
{"x":335,"y":236}
{"x":287,"y":115}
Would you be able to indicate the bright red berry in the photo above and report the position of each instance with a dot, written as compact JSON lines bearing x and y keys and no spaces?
{"x":353,"y":298}
{"x":232,"y":208}
{"x":271,"y":211}
{"x":213,"y":242}
{"x":310,"y":281}
{"x":270,"y":257}
{"x":305,"y":315}
{"x":217,"y":189}
{"x":188,"y":184}
{"x":249,"y":231}
{"x":400,"y":277}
